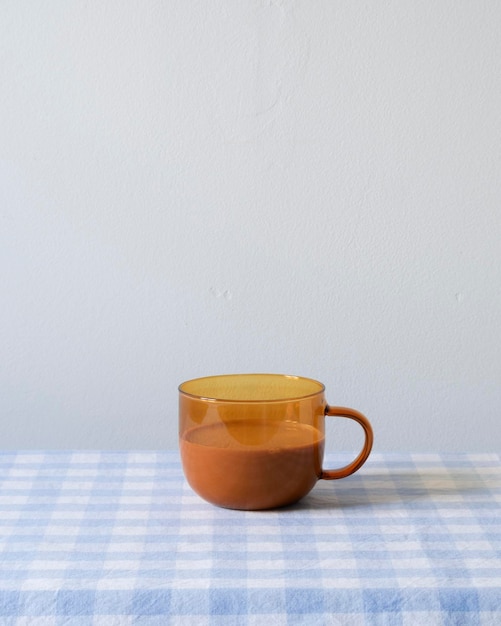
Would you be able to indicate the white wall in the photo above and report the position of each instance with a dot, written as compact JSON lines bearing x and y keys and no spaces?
{"x":193,"y":187}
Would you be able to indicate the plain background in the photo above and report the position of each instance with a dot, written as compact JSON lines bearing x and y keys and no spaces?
{"x":191,"y":188}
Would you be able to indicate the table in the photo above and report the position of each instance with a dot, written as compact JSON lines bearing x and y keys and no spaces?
{"x":109,"y":538}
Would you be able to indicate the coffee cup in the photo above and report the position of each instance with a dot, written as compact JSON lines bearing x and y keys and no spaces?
{"x":256,"y":441}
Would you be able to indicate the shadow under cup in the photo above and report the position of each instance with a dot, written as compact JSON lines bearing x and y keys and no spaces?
{"x":256,"y":441}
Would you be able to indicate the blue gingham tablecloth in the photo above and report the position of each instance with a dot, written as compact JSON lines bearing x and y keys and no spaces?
{"x":111,"y":538}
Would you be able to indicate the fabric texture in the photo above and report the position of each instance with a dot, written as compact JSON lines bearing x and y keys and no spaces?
{"x":112,"y":538}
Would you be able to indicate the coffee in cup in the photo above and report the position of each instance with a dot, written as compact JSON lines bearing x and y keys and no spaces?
{"x":256,"y":441}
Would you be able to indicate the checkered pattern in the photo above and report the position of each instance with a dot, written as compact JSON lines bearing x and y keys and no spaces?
{"x":120,"y":539}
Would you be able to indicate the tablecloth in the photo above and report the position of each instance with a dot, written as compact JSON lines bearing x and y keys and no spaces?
{"x":119,"y":538}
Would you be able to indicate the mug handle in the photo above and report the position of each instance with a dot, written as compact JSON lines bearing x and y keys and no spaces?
{"x":342,"y":472}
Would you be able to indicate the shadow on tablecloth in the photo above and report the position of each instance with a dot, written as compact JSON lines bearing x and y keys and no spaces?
{"x":402,"y":488}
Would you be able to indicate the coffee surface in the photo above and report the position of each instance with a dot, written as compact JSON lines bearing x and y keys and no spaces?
{"x":255,"y":464}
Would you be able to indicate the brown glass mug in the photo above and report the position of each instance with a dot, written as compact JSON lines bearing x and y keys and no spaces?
{"x":256,"y":441}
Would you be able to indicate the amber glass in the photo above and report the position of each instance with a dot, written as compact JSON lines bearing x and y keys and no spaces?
{"x":256,"y":441}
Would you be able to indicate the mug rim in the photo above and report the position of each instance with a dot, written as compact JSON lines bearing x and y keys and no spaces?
{"x":215,"y":398}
